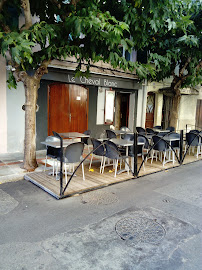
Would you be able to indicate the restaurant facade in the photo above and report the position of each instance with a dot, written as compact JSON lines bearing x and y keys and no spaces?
{"x":107,"y":98}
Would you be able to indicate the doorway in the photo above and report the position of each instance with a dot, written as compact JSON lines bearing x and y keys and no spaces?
{"x":67,"y":108}
{"x":122,"y":110}
{"x":167,"y":105}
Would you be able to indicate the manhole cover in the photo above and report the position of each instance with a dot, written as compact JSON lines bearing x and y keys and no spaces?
{"x":140,"y":230}
{"x":98,"y":197}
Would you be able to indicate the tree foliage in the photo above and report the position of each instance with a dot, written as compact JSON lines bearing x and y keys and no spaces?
{"x":169,"y":32}
{"x":63,"y":29}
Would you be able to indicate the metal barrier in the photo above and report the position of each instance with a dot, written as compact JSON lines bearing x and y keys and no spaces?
{"x":134,"y":172}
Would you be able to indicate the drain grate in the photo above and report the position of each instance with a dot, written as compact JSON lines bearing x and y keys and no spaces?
{"x":140,"y":230}
{"x":98,"y":197}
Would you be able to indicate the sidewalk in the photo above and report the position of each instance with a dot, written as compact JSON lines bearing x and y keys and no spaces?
{"x":10,"y":163}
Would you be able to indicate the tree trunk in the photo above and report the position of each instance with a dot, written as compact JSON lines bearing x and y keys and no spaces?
{"x":174,"y":114}
{"x":31,"y":86}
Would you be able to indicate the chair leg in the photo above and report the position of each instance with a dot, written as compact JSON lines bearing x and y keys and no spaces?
{"x":152,"y":155}
{"x":164,"y":158}
{"x":143,"y":162}
{"x":103,"y":166}
{"x":198,"y":151}
{"x":91,"y":161}
{"x":116,"y":165}
{"x":83,"y":171}
{"x":53,"y":166}
{"x":56,"y":170}
{"x":66,"y":173}
{"x":45,"y":164}
{"x":132,"y":164}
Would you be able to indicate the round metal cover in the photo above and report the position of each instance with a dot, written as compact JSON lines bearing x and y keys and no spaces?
{"x":98,"y":197}
{"x":140,"y":229}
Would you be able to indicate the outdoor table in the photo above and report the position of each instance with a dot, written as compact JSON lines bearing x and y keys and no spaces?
{"x":126,"y":144}
{"x":122,"y":132}
{"x":57,"y":145}
{"x":73,"y":135}
{"x":170,"y":139}
{"x":160,"y":130}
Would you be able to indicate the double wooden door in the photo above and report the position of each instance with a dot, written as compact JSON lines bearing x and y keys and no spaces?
{"x":67,"y":108}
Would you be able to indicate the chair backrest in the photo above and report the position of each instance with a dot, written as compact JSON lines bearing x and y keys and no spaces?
{"x":159,"y":143}
{"x":141,"y":137}
{"x":52,"y":139}
{"x":129,"y":137}
{"x":194,"y":131}
{"x":174,"y":135}
{"x":52,"y":151}
{"x":112,"y":151}
{"x":139,"y":147}
{"x":170,"y":128}
{"x":86,"y":132}
{"x":150,"y":131}
{"x":101,"y":150}
{"x":73,"y":152}
{"x":110,"y":134}
{"x":159,"y":127}
{"x":192,"y":139}
{"x":140,"y":130}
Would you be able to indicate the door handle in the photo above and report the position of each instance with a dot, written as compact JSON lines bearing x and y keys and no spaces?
{"x":70,"y":117}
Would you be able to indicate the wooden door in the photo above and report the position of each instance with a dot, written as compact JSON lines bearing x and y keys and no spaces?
{"x":150,"y":110}
{"x":78,"y":104}
{"x":67,"y":108}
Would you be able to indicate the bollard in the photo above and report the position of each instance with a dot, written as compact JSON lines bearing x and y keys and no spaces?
{"x":135,"y":174}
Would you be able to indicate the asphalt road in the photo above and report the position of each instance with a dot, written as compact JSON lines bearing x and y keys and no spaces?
{"x":153,"y":222}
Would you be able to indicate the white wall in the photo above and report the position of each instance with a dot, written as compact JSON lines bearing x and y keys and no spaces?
{"x":158,"y":109}
{"x":141,"y":106}
{"x":131,"y":119}
{"x":3,"y":112}
{"x":15,"y":117}
{"x":187,"y":111}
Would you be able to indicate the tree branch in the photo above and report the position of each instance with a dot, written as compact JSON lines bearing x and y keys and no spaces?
{"x":43,"y":69}
{"x":199,"y":65}
{"x":184,"y":67}
{"x":28,"y":17}
{"x":20,"y":76}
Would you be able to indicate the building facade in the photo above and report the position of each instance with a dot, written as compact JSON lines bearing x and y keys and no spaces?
{"x":106,"y":99}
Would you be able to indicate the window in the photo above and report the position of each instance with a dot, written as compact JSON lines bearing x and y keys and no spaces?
{"x":109,"y":106}
{"x":105,"y":106}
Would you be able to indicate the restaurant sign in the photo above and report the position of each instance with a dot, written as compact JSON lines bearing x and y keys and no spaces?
{"x":93,"y":81}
